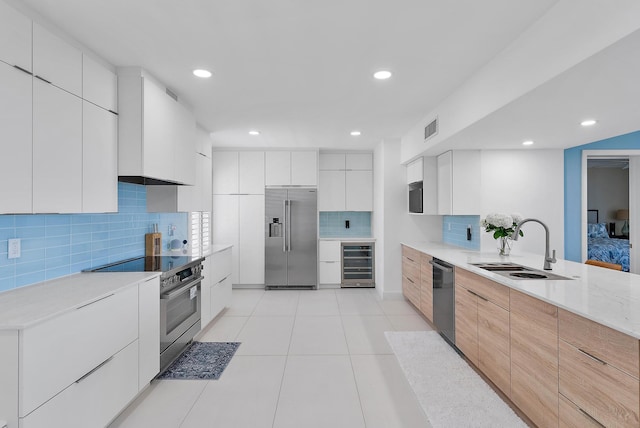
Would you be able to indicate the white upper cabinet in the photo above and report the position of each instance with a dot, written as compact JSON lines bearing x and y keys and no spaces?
{"x":299,"y":168}
{"x":225,"y":173}
{"x":415,"y":171}
{"x":57,"y":150}
{"x":156,"y":134}
{"x":99,"y":84}
{"x":346,"y":182}
{"x":15,"y":37}
{"x":359,"y":191}
{"x":304,"y":168}
{"x":16,"y":139}
{"x":459,"y":182}
{"x":278,"y":168}
{"x":99,"y":159}
{"x":56,"y":61}
{"x":359,"y":161}
{"x":251,"y":173}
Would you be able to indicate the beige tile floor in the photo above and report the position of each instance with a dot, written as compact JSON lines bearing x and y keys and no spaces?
{"x":308,"y":359}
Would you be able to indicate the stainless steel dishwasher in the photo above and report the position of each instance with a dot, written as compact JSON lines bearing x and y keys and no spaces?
{"x":444,"y":315}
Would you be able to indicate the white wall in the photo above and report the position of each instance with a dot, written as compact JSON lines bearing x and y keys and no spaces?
{"x":607,"y":192}
{"x":391,"y":222}
{"x":528,"y":182}
{"x":570,"y":32}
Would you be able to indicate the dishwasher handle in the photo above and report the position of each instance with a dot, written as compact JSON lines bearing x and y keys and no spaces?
{"x":441,"y":267}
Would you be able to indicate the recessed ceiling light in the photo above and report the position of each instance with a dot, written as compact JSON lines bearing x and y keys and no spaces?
{"x":588,"y":122}
{"x":202,"y":73}
{"x":254,"y":132}
{"x":527,"y":143}
{"x":382,"y":74}
{"x":356,"y":133}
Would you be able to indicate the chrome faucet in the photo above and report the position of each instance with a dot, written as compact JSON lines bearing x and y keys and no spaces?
{"x":547,"y":260}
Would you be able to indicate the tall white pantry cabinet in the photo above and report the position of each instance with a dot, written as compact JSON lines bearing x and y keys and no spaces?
{"x":62,"y":150}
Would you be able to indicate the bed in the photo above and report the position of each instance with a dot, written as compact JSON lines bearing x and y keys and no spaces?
{"x":601,"y":247}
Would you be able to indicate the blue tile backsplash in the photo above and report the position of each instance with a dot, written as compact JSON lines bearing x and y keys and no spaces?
{"x":332,"y":224}
{"x":55,"y":245}
{"x":454,"y":231}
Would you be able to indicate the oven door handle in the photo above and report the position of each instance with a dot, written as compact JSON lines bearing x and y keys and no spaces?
{"x":174,"y":293}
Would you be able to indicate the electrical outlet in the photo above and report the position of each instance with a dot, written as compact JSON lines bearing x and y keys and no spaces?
{"x":14,"y":249}
{"x":448,"y":226}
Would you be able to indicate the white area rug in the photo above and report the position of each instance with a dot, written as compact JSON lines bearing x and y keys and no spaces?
{"x":450,"y":392}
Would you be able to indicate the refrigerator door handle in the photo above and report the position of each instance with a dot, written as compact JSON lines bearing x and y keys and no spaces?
{"x":284,"y":228}
{"x":289,"y":225}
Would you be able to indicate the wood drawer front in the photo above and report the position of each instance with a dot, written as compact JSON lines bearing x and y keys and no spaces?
{"x":534,"y":358}
{"x":615,"y":348}
{"x":411,"y":270}
{"x":411,"y":254}
{"x":411,"y":291}
{"x":609,"y":395}
{"x":59,"y":351}
{"x":426,"y":299}
{"x":95,"y":400}
{"x":494,"y":292}
{"x":572,"y":417}
{"x":494,"y":354}
{"x":425,"y":259}
{"x":221,"y":265}
{"x":466,"y":315}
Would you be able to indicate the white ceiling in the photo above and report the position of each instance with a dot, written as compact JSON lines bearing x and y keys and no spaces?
{"x":300,"y":71}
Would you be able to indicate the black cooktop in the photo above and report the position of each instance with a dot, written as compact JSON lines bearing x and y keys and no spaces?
{"x":146,"y":264}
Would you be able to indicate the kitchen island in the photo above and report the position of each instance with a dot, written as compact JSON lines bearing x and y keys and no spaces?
{"x":564,"y":351}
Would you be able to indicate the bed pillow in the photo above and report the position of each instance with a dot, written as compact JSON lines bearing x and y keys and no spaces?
{"x":597,"y":230}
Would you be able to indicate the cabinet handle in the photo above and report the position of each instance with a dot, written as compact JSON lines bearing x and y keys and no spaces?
{"x":97,"y":300}
{"x":588,"y":416}
{"x":95,"y":369}
{"x":42,"y":78}
{"x":410,"y":259}
{"x":114,"y":112}
{"x":23,"y":70}
{"x":222,"y":280}
{"x":409,"y":279}
{"x":593,"y":357}
{"x":477,"y":295}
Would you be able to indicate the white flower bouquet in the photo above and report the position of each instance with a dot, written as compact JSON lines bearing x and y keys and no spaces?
{"x":502,"y":225}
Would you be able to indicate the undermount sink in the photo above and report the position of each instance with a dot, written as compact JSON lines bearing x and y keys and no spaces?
{"x":518,"y":272}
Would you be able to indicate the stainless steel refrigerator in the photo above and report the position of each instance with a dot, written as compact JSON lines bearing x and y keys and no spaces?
{"x":291,"y":238}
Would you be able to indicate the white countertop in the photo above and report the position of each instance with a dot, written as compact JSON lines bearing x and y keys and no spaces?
{"x":26,"y":306}
{"x":606,"y":296}
{"x":348,"y":239}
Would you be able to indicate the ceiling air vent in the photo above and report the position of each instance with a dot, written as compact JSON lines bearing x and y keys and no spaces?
{"x":171,"y":94}
{"x":431,"y":129}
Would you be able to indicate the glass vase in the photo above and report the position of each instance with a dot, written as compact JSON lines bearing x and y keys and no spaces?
{"x":504,"y":246}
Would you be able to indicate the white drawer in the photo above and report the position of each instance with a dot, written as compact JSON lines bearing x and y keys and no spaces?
{"x":220,"y":265}
{"x":220,"y":296}
{"x":59,"y":351}
{"x":329,"y":251}
{"x":330,"y":272}
{"x":96,"y":399}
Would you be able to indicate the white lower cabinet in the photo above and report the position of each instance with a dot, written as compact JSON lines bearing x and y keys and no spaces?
{"x":220,"y":296}
{"x":216,"y":288}
{"x":329,"y":269}
{"x":82,"y":367}
{"x":94,"y":400}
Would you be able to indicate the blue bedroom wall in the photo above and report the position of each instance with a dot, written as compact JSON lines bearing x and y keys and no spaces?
{"x":573,"y":188}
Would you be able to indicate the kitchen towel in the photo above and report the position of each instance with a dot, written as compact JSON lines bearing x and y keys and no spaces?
{"x":202,"y":360}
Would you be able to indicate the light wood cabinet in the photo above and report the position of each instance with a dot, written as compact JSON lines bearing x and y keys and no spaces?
{"x":482,"y":326}
{"x":458,"y":182}
{"x":99,"y":159}
{"x":571,"y":416}
{"x":411,"y":275}
{"x":15,"y":137}
{"x":599,"y":371}
{"x":466,"y":315}
{"x":426,"y":286}
{"x":57,"y":150}
{"x":15,"y":37}
{"x":534,"y":358}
